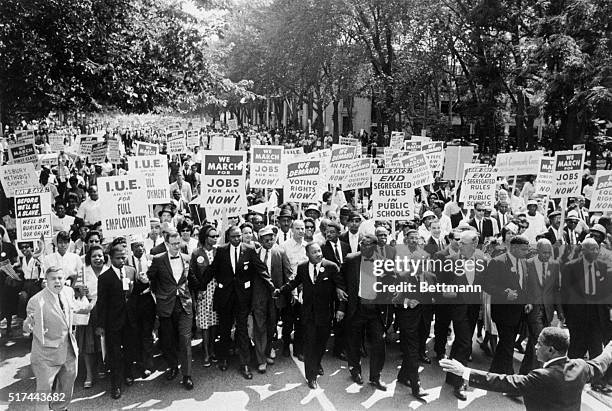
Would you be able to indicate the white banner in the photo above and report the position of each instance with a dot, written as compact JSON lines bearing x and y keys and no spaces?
{"x":154,"y":169}
{"x":518,"y":163}
{"x":434,"y":151}
{"x":18,"y":176}
{"x":126,"y":209}
{"x":455,"y":158}
{"x":146,"y":149}
{"x":478,"y":186}
{"x":392,"y":194}
{"x":266,"y":166}
{"x":360,"y":174}
{"x":175,"y":142}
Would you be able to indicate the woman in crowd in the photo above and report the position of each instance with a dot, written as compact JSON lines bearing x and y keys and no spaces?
{"x":188,"y":243}
{"x":88,"y":342}
{"x":206,"y":317}
{"x":247,"y":233}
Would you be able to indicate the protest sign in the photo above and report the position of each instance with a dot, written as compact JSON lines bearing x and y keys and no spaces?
{"x":479,"y":186}
{"x":24,"y":136}
{"x":392,"y":194}
{"x":17,"y":176}
{"x":154,"y":169}
{"x":289,"y":152}
{"x":85,"y":144}
{"x":340,"y":163}
{"x":266,"y":166}
{"x":601,"y":200}
{"x":423,"y":139}
{"x":434,"y":151}
{"x":175,"y":142}
{"x":114,"y":156}
{"x":544,"y":182}
{"x":22,"y":153}
{"x":218,"y":142}
{"x":455,"y":158}
{"x":232,"y":124}
{"x":349,"y":141}
{"x":568,"y":173}
{"x":126,"y":210}
{"x":304,"y":181}
{"x":56,"y":142}
{"x":223,"y":182}
{"x":33,"y":213}
{"x":360,"y":174}
{"x":579,"y":147}
{"x":146,"y":149}
{"x":98,"y":152}
{"x":397,"y":140}
{"x":518,"y":163}
{"x":193,"y":138}
{"x":391,"y":156}
{"x":421,"y":174}
{"x":412,"y":146}
{"x":173,"y":127}
{"x":47,"y":160}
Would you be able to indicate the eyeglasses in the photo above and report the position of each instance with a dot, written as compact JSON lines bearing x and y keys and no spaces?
{"x":214,"y":236}
{"x":479,"y":209}
{"x":309,"y":227}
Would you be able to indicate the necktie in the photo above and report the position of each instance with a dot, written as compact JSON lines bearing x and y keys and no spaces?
{"x":139,"y":266}
{"x":336,"y":252}
{"x":235,"y":260}
{"x":480,"y":226}
{"x":59,"y":298}
{"x":285,"y":236}
{"x":543,"y":272}
{"x":591,"y":287}
{"x":266,"y":257}
{"x":314,"y":273}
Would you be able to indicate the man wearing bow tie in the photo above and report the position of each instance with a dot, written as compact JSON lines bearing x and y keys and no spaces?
{"x":168,"y":281}
{"x":320,"y":280}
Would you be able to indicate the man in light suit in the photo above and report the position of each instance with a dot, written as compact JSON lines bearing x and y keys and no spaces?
{"x":168,"y":279}
{"x":54,"y":348}
{"x":264,"y":306}
{"x":542,"y":389}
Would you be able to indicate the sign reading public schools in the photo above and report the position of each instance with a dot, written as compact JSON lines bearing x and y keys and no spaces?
{"x":154,"y":169}
{"x":392,"y":194}
{"x":224,"y":182}
{"x":478,"y":186}
{"x":602,"y":195}
{"x":266,"y":166}
{"x":126,"y":210}
{"x":568,"y":173}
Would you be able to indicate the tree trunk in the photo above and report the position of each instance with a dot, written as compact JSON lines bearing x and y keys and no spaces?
{"x":335,"y":120}
{"x":349,"y":112}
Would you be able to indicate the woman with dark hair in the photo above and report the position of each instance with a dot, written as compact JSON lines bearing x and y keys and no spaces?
{"x":247,"y":233}
{"x":189,"y":244}
{"x":206,"y":317}
{"x":87,"y":341}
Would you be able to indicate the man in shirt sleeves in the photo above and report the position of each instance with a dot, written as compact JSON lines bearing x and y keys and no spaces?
{"x":235,"y":267}
{"x":168,"y":280}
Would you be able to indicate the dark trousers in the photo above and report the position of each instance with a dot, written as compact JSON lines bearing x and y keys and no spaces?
{"x":315,"y":340}
{"x":408,"y":320}
{"x":175,"y":335}
{"x":340,"y":332}
{"x":234,"y":312}
{"x":264,"y":327}
{"x":441,"y":327}
{"x":145,"y":321}
{"x":425,"y":327}
{"x":586,"y":335}
{"x":464,"y":318}
{"x":292,"y":315}
{"x":119,"y":347}
{"x":535,"y":324}
{"x":504,"y":354}
{"x":367,"y":317}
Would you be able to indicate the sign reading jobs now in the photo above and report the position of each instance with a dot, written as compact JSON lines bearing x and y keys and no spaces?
{"x":155,"y":171}
{"x":568,"y":173}
{"x":392,"y":194}
{"x":128,"y":210}
{"x":266,"y":162}
{"x":224,"y":182}
{"x":33,"y":213}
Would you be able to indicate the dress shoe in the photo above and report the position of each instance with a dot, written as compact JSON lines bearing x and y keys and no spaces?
{"x":300,"y":357}
{"x":270,"y":361}
{"x":320,"y":371}
{"x":223,"y":365}
{"x":378,"y":385}
{"x":424,"y":359}
{"x":187,"y":383}
{"x":246,"y":372}
{"x":418,"y":392}
{"x":129,"y":381}
{"x":312,"y":384}
{"x":171,"y":373}
{"x":459,"y":393}
{"x":356,"y":377}
{"x":261,"y":368}
{"x":116,"y":393}
{"x":286,"y":351}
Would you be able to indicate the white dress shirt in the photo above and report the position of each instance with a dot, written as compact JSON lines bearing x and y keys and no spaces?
{"x":518,"y":267}
{"x":234,"y":255}
{"x":90,"y":211}
{"x":337,"y":250}
{"x":296,"y":252}
{"x":177,"y":266}
{"x":268,"y":261}
{"x":29,"y":268}
{"x":353,"y":241}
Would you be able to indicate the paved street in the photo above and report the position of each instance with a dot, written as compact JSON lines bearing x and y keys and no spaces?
{"x":282,"y":388}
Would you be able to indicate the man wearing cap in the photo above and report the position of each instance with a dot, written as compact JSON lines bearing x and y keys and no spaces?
{"x":264,"y":306}
{"x":537,"y":222}
{"x":345,"y":213}
{"x":552,"y":234}
{"x":285,"y":219}
{"x":571,"y":222}
{"x":352,"y":236}
{"x":313,"y":212}
{"x":506,"y":282}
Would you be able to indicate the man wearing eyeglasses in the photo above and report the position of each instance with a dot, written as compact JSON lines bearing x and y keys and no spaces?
{"x":481,"y":223}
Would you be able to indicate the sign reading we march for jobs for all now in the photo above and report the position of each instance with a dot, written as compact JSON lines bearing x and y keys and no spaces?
{"x":266,"y":164}
{"x":224,"y":182}
{"x":568,"y":173}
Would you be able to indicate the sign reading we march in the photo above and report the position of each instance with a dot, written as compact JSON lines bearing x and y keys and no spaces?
{"x":224,"y":182}
{"x":266,"y":163}
{"x":568,"y":173}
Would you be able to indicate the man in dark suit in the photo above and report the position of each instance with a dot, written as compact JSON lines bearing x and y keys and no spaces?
{"x":506,"y":281}
{"x":335,"y":251}
{"x":543,"y":388}
{"x":436,"y":242}
{"x":503,"y":215}
{"x":162,"y":247}
{"x":384,"y":250}
{"x":585,"y":292}
{"x":168,"y":279}
{"x":544,"y":293}
{"x":352,"y":236}
{"x":363,"y":315}
{"x":463,"y":269}
{"x":236,"y":266}
{"x":264,"y":306}
{"x":320,"y":280}
{"x":483,"y":225}
{"x":116,"y":321}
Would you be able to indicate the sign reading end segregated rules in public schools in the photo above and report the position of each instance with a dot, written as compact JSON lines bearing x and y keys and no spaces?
{"x":392,"y":194}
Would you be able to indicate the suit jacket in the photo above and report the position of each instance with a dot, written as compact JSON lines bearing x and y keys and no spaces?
{"x":344,"y":237}
{"x":115,"y":306}
{"x":387,"y":252}
{"x":497,"y":218}
{"x":197,"y":268}
{"x":448,"y":273}
{"x":52,"y":333}
{"x":166,"y":288}
{"x":487,"y":228}
{"x":280,"y":273}
{"x":158,"y":249}
{"x":548,"y":293}
{"x":500,"y":275}
{"x":542,"y":388}
{"x":432,"y":248}
{"x":329,"y":254}
{"x":351,"y":273}
{"x":319,"y":296}
{"x":248,"y":267}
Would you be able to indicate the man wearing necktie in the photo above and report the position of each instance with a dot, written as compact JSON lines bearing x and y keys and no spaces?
{"x":585,"y":292}
{"x":116,"y":318}
{"x":481,"y":223}
{"x":506,"y":281}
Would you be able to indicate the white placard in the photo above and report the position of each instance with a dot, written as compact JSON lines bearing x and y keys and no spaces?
{"x":154,"y":169}
{"x":126,"y":208}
